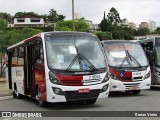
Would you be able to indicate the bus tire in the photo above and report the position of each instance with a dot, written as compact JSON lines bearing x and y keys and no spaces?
{"x":91,"y":101}
{"x":39,"y":98}
{"x":136,"y":92}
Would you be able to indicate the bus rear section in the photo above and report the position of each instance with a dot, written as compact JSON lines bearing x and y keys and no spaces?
{"x":60,"y":67}
{"x":128,"y":66}
{"x":151,"y":47}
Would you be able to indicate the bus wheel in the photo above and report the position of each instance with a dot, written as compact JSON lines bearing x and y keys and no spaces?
{"x":136,"y":92}
{"x":92,"y":101}
{"x":39,"y":98}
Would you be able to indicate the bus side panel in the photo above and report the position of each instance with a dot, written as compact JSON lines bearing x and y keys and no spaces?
{"x":17,"y":79}
{"x":39,"y":78}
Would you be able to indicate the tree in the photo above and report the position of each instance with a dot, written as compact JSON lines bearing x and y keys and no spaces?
{"x":73,"y":25}
{"x":113,"y":16}
{"x":142,"y":31}
{"x":104,"y":25}
{"x":18,"y":14}
{"x":52,"y":15}
{"x":60,"y":18}
{"x":104,"y":35}
{"x":10,"y":37}
{"x":6,"y":16}
{"x":3,"y":25}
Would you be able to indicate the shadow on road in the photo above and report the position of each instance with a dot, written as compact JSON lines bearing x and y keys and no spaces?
{"x":63,"y":106}
{"x":124,"y":94}
{"x":155,"y":89}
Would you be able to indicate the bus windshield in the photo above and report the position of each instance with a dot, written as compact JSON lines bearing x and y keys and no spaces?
{"x":125,"y":55}
{"x":157,"y":55}
{"x":74,"y":53}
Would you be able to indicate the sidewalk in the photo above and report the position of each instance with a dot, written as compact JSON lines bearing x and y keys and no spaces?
{"x":4,"y":90}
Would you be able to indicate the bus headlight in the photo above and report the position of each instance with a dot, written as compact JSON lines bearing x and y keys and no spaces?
{"x":53,"y":79}
{"x":106,"y":78}
{"x":147,"y":75}
{"x":113,"y":76}
{"x":158,"y":73}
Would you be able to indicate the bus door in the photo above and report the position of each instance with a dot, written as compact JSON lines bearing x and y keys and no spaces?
{"x":39,"y":69}
{"x":148,"y":48}
{"x":29,"y":82}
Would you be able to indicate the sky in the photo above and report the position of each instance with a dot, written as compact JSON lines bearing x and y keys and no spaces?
{"x":134,"y":10}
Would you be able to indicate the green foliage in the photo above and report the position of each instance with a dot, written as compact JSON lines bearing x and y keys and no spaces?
{"x":6,"y":16}
{"x":105,"y":25}
{"x":104,"y":35}
{"x":73,"y":25}
{"x":54,"y":17}
{"x":142,"y":31}
{"x":11,"y":37}
{"x":113,"y":16}
{"x":110,"y":24}
{"x":18,"y":14}
{"x":44,"y":29}
{"x":3,"y":24}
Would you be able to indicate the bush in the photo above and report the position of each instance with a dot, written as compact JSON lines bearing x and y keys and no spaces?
{"x":104,"y":35}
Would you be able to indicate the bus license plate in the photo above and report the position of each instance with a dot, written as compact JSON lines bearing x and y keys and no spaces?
{"x":132,"y":88}
{"x":85,"y":90}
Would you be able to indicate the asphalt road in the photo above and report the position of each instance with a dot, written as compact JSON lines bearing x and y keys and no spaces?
{"x":148,"y":100}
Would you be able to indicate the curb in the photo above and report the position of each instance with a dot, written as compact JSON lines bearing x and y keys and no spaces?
{"x":2,"y":81}
{"x":6,"y":97}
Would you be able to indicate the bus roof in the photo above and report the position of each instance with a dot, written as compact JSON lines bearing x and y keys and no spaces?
{"x":53,"y":33}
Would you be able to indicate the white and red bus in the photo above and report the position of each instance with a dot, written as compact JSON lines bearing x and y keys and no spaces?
{"x":128,"y":66}
{"x":58,"y":67}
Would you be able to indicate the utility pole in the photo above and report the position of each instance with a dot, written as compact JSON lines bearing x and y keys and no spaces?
{"x":73,"y":9}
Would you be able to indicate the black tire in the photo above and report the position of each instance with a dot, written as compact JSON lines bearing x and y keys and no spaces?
{"x":39,"y":98}
{"x":136,"y":92}
{"x":92,"y":101}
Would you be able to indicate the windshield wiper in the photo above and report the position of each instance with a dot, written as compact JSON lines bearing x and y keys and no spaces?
{"x":80,"y":56}
{"x":132,"y":58}
{"x":83,"y":57}
{"x":125,"y":58}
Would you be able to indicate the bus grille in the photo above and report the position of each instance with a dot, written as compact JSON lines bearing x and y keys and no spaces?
{"x":74,"y":95}
{"x":72,"y":82}
{"x":130,"y":85}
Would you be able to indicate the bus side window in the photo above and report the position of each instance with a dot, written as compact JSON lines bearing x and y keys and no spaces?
{"x":38,"y":57}
{"x":14,"y":57}
{"x":21,"y":56}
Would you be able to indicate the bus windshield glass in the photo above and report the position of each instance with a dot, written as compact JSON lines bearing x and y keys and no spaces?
{"x":157,"y":55}
{"x":74,"y":53}
{"x":125,"y":55}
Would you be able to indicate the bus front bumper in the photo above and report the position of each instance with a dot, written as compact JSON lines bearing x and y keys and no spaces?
{"x":116,"y":85}
{"x":71,"y":93}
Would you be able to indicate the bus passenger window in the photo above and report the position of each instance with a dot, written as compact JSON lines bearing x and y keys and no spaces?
{"x":38,"y":57}
{"x":21,"y":56}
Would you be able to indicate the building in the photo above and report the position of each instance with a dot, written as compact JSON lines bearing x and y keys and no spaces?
{"x":95,"y":27}
{"x":132,"y":25}
{"x":77,"y":15}
{"x":152,"y":26}
{"x":143,"y":25}
{"x":29,"y":20}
